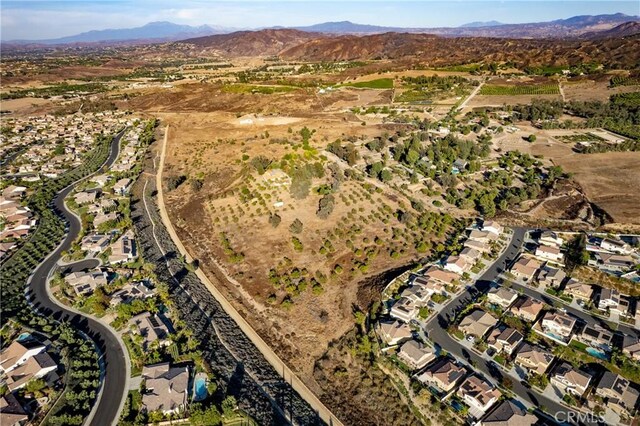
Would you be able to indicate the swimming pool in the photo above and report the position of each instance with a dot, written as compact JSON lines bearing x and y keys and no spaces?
{"x":555,"y":336}
{"x":597,"y":353}
{"x":200,"y":388}
{"x":23,"y":336}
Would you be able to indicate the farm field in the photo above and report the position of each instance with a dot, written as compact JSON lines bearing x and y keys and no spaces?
{"x":519,"y":89}
{"x":380,"y":83}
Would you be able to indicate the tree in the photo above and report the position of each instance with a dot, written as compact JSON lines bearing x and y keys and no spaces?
{"x":196,"y":184}
{"x":229,"y":405}
{"x":532,"y":138}
{"x":296,"y":226}
{"x":260,"y":163}
{"x":274,"y":220}
{"x":325,"y":206}
{"x":200,"y":416}
{"x":174,"y":182}
{"x":386,"y":175}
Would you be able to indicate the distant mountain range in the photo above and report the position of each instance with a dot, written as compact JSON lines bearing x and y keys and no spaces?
{"x":479,"y":24}
{"x":572,"y":27}
{"x":157,"y":31}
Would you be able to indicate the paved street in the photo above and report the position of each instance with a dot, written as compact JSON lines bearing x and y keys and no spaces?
{"x":113,"y":356}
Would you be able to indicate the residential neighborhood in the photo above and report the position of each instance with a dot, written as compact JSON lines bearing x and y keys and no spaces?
{"x":535,"y":324}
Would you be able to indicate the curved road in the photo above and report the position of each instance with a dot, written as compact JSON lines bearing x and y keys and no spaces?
{"x":113,"y":358}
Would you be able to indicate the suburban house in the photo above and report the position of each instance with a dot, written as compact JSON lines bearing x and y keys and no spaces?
{"x":102,"y":217}
{"x":477,"y":323}
{"x":569,"y":380}
{"x":457,"y":264}
{"x":445,"y":277}
{"x":525,"y":268}
{"x":482,"y":236}
{"x":493,"y":227}
{"x":550,"y":276}
{"x":527,"y":308}
{"x":557,"y":323}
{"x":95,"y":243}
{"x":429,"y":285}
{"x":624,"y":306}
{"x":459,"y":165}
{"x":578,"y":290}
{"x":18,"y":352}
{"x":504,"y":339}
{"x":501,"y":296}
{"x":443,"y":375}
{"x":121,"y":187}
{"x":550,"y":253}
{"x":123,"y":249}
{"x":470,"y":254}
{"x":416,"y":355}
{"x":596,"y":337}
{"x":131,"y":291}
{"x":394,"y":332}
{"x":404,"y":309}
{"x":85,"y":283}
{"x":85,"y":197}
{"x":506,"y":413}
{"x":11,"y":412}
{"x":418,"y":294}
{"x":166,"y":388}
{"x":613,"y":262}
{"x":152,"y":328}
{"x":478,"y":394}
{"x":482,"y":247}
{"x":618,"y":394}
{"x":550,"y":238}
{"x":609,"y":298}
{"x":101,"y":180}
{"x":35,"y":367}
{"x":631,"y":347}
{"x":534,"y":358}
{"x":615,"y":246}
{"x":13,"y":192}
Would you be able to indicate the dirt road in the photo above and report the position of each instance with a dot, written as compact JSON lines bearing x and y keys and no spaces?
{"x":269,"y":354}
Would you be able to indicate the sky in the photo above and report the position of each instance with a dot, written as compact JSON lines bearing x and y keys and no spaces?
{"x":36,"y":19}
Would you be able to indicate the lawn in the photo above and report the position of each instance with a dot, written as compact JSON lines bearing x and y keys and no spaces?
{"x":511,"y":90}
{"x":500,"y":359}
{"x":380,"y":83}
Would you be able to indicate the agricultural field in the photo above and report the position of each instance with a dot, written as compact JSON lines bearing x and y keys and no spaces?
{"x":581,"y":137}
{"x":519,"y":89}
{"x":380,"y":83}
{"x":626,"y":80}
{"x":432,"y":88}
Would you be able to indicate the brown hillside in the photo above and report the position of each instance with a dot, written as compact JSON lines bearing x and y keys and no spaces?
{"x":251,"y":43}
{"x":628,"y":29}
{"x":441,"y":51}
{"x":426,"y":48}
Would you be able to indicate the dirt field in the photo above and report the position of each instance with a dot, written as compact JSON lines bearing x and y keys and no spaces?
{"x":500,"y":100}
{"x":587,"y":90}
{"x":238,"y":202}
{"x":609,"y":180}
